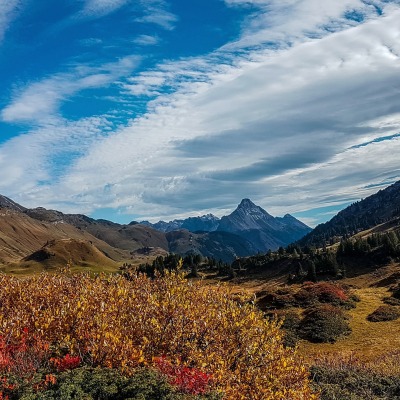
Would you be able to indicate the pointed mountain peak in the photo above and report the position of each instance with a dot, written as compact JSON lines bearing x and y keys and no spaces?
{"x":246,"y":203}
{"x":288,"y":216}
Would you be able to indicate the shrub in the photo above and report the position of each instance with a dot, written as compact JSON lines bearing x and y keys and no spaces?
{"x":67,"y":362}
{"x":392,"y":301}
{"x":188,"y":380}
{"x":384,"y":313}
{"x":324,"y":324}
{"x":322,"y":292}
{"x":87,"y":383}
{"x":291,"y":324}
{"x":280,"y":299}
{"x":127,"y":324}
{"x":344,"y":377}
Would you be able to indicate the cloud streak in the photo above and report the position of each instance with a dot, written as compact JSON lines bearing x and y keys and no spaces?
{"x":99,"y":8}
{"x":40,"y":100}
{"x":8,"y":11}
{"x":156,"y":12}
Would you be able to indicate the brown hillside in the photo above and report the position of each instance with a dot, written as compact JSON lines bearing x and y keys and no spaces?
{"x":61,"y":252}
{"x":21,"y":235}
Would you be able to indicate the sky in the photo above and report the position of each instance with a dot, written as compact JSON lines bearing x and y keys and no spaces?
{"x":161,"y":109}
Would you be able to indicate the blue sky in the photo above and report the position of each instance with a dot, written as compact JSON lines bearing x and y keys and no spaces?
{"x":157,"y":109}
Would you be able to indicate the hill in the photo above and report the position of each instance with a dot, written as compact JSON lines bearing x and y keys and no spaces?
{"x":381,"y":207}
{"x":225,"y":246}
{"x":62,"y":252}
{"x":21,"y":235}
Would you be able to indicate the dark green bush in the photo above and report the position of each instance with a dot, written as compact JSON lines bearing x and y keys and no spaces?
{"x":324,"y":324}
{"x":107,"y":384}
{"x":384,"y":313}
{"x":291,"y":325}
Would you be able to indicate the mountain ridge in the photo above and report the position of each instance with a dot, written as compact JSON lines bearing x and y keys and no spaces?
{"x":376,"y":209}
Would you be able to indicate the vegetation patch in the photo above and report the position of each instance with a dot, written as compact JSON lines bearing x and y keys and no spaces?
{"x":384,"y":313}
{"x":309,"y":294}
{"x":324,"y":324}
{"x":324,"y":292}
{"x":345,"y":377}
{"x":322,"y":321}
{"x":198,"y":336}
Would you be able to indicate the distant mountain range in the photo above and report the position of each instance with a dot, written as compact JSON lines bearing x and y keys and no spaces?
{"x":205,"y":223}
{"x":248,"y":221}
{"x":37,"y":236}
{"x":383,"y":206}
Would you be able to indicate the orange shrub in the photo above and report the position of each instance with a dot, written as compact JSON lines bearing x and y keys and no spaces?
{"x":115,"y":322}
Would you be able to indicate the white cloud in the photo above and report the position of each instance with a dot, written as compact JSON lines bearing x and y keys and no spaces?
{"x":41,"y":99}
{"x":38,"y":151}
{"x":156,"y":12}
{"x":146,"y":40}
{"x":99,"y":8}
{"x":8,"y":11}
{"x":284,"y":21}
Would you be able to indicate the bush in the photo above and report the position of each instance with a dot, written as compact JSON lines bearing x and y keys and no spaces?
{"x":291,"y":324}
{"x":324,"y":324}
{"x":125,"y":324}
{"x":323,"y":292}
{"x":392,"y":301}
{"x":384,"y":313}
{"x":279,"y":299}
{"x":87,"y":383}
{"x":348,"y":378}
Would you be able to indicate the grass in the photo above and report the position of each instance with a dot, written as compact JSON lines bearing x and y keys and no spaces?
{"x":368,"y":339}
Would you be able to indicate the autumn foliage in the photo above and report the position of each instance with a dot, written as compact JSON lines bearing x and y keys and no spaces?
{"x":197,"y":335}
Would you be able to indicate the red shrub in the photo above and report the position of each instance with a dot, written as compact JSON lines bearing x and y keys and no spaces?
{"x":188,"y":380}
{"x":67,"y":362}
{"x":23,"y":355}
{"x":322,"y":292}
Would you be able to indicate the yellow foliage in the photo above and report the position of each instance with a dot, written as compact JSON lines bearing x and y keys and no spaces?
{"x":125,"y":324}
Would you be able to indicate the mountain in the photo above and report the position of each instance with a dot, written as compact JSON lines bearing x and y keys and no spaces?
{"x":383,"y":206}
{"x":262,"y":229}
{"x":40,"y":238}
{"x":205,"y":223}
{"x":126,"y":237}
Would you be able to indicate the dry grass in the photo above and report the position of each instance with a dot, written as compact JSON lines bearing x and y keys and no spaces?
{"x":368,"y":339}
